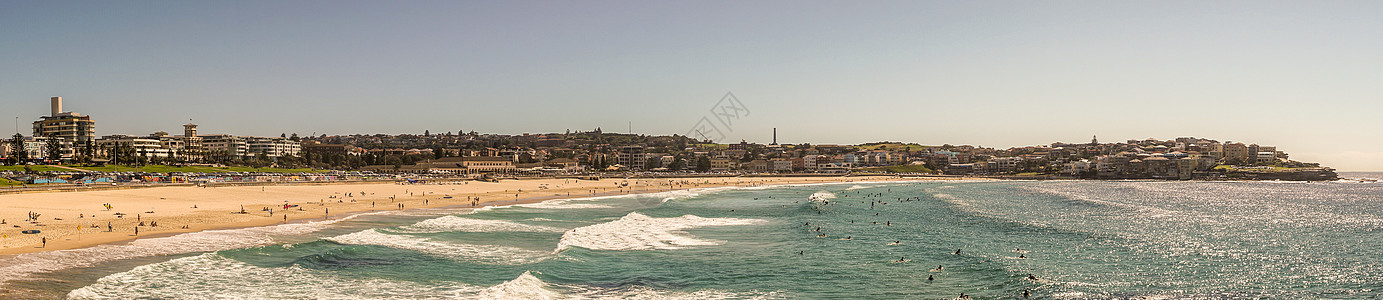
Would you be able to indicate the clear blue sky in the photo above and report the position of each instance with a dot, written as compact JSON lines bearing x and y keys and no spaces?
{"x":1303,"y":75}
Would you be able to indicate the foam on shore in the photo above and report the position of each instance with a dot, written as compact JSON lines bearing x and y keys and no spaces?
{"x":22,"y":265}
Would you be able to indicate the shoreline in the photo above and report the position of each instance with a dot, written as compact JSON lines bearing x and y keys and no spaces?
{"x":63,"y":235}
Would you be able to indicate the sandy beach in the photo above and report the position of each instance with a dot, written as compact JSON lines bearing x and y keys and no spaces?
{"x":70,"y":220}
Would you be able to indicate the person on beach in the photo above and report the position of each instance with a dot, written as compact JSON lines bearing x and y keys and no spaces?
{"x":45,"y":242}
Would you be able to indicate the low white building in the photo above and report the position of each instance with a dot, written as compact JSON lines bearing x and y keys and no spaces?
{"x":272,"y":146}
{"x":1076,"y":167}
{"x":143,"y":146}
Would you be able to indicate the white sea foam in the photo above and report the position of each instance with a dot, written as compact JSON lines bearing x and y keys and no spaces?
{"x":23,"y":265}
{"x":524,"y":287}
{"x":563,"y":204}
{"x":455,"y":223}
{"x":641,"y":293}
{"x":636,"y":231}
{"x":215,"y":277}
{"x":211,"y":276}
{"x":527,"y":286}
{"x":821,"y":196}
{"x":455,"y":251}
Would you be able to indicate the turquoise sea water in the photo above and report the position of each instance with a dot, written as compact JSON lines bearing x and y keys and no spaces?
{"x":1080,"y":239}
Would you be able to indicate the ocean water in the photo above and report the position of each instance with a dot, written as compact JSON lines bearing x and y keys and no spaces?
{"x":1079,"y":239}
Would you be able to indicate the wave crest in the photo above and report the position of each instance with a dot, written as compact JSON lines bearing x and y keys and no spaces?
{"x":455,"y":223}
{"x":454,"y":251}
{"x":636,"y":231}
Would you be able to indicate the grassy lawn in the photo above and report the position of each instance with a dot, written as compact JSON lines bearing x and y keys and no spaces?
{"x":150,"y":168}
{"x":8,"y":182}
{"x":900,"y":169}
{"x":196,"y":169}
{"x":273,"y":170}
{"x":37,"y":168}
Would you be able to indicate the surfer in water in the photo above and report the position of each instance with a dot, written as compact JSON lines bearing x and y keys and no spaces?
{"x":957,"y":252}
{"x":1022,"y":256}
{"x":939,"y":268}
{"x":1031,"y":277}
{"x":901,"y":260}
{"x":896,"y":243}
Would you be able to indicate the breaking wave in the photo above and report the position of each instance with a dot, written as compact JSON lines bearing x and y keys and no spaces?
{"x":212,"y":276}
{"x":23,"y":265}
{"x":454,"y":251}
{"x":636,"y":231}
{"x":455,"y":223}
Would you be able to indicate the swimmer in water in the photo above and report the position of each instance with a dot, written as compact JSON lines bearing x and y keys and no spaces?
{"x":1022,"y":256}
{"x":1026,"y":294}
{"x":1031,"y":277}
{"x":930,"y":278}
